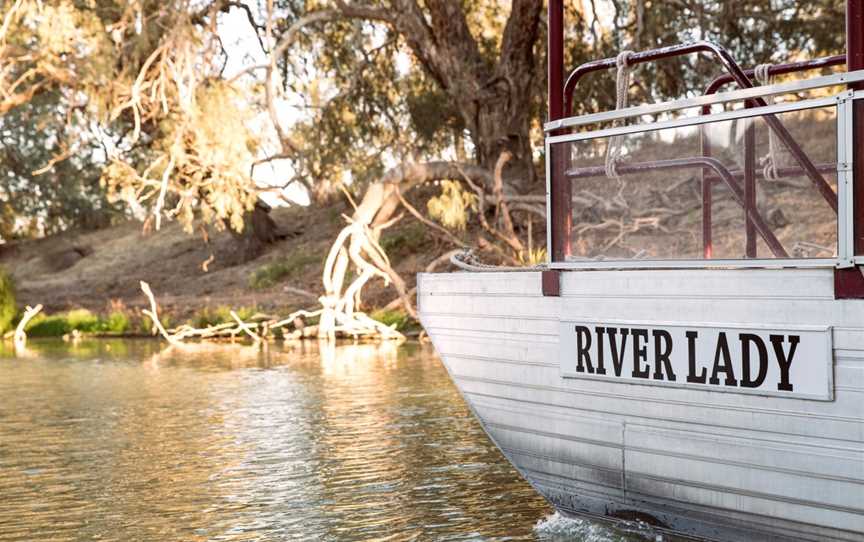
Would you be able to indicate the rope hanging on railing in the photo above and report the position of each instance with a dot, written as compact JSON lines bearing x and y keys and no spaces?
{"x":622,"y":85}
{"x":770,"y":161}
{"x":468,"y":261}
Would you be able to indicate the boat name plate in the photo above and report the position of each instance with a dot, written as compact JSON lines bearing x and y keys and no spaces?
{"x":794,"y":362}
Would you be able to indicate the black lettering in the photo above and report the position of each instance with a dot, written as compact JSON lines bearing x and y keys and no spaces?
{"x":692,"y":377}
{"x":661,"y":355}
{"x":601,"y":370}
{"x":617,"y":355}
{"x":726,"y":366}
{"x":640,"y":353}
{"x":746,"y":340}
{"x":784,"y":360}
{"x":583,"y":344}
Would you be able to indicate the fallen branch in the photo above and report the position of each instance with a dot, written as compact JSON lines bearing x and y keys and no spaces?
{"x":245,"y":328}
{"x":154,"y":315}
{"x":20,"y":339}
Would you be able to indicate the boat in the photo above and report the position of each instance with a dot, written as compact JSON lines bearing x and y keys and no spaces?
{"x":707,"y":377}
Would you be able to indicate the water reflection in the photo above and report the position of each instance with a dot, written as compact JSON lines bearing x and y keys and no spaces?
{"x":125,"y":440}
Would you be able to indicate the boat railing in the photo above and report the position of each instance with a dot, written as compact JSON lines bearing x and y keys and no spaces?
{"x":771,"y":70}
{"x":633,"y":224}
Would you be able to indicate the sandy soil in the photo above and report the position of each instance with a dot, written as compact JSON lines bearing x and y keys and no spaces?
{"x":115,"y":259}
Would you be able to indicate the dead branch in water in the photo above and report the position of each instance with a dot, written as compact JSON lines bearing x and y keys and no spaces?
{"x":358,"y":326}
{"x":153,"y":314}
{"x":20,"y":338}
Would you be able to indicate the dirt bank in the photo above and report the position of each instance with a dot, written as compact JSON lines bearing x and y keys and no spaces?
{"x":101,"y":269}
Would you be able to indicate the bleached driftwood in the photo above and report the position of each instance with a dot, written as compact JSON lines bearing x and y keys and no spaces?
{"x":153,"y":314}
{"x":19,"y":340}
{"x":245,"y":328}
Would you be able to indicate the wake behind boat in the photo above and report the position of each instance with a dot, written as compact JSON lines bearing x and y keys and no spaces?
{"x":710,"y":380}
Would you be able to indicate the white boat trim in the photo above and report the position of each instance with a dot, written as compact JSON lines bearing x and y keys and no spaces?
{"x":758,"y":263}
{"x":701,"y":119}
{"x":710,"y":99}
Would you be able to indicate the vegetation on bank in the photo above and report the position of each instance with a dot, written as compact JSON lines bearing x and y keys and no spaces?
{"x":131,"y":323}
{"x":272,"y":273}
{"x":7,"y":301}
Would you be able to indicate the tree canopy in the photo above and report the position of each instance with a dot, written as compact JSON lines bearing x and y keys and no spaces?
{"x":115,"y":107}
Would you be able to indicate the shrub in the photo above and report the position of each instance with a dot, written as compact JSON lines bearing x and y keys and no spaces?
{"x":117,"y":322}
{"x":7,"y":301}
{"x":390,"y":317}
{"x":57,"y":325}
{"x":213,"y":317}
{"x":407,"y":239}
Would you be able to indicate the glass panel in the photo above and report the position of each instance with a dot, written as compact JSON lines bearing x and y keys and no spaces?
{"x":681,"y":193}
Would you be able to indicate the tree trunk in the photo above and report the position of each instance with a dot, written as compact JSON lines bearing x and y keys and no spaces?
{"x":259,"y":231}
{"x":494,"y":100}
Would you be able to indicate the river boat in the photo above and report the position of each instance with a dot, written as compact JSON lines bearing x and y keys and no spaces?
{"x":706,"y":377}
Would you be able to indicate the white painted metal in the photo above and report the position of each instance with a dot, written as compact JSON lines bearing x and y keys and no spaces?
{"x":845,"y":199}
{"x":708,"y":99}
{"x":691,"y":264}
{"x":726,"y":466}
{"x":697,"y":120}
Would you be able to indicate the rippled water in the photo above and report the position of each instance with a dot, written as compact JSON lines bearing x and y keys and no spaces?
{"x":127,"y":440}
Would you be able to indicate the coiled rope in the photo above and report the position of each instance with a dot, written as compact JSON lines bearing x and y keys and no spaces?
{"x":469,"y":261}
{"x":770,"y":161}
{"x":622,"y":85}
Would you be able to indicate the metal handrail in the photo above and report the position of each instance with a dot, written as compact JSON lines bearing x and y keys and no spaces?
{"x":650,"y":56}
{"x":788,"y":87}
{"x":749,"y":179}
{"x":685,"y":163}
{"x":737,"y":75}
{"x":780,"y":69}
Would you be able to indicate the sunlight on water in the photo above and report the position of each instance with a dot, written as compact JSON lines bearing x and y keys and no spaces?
{"x":129,"y":440}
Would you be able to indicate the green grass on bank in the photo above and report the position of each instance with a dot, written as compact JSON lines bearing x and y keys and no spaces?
{"x":124,"y":322}
{"x":389,"y":317}
{"x":272,"y":273}
{"x":220,"y":315}
{"x":7,"y":301}
{"x":57,"y":325}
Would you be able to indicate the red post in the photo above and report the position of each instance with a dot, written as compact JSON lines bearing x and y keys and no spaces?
{"x":849,"y":283}
{"x":855,"y":61}
{"x":707,"y":194}
{"x":560,"y":187}
{"x":750,"y":188}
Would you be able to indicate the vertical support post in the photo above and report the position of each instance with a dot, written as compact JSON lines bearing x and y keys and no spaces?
{"x":855,"y":61}
{"x":750,"y":187}
{"x":849,"y":282}
{"x":560,"y":188}
{"x":707,"y":192}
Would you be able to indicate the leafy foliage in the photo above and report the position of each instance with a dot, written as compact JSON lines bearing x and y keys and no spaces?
{"x":7,"y":301}
{"x":57,"y":325}
{"x":452,"y":207}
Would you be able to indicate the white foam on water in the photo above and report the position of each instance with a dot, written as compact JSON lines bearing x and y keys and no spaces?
{"x":560,"y":528}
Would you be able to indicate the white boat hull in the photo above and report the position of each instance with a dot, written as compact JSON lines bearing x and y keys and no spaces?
{"x":726,"y":466}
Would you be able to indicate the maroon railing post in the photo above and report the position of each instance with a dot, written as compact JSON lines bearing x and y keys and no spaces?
{"x":750,"y":187}
{"x":561,"y":194}
{"x":849,"y":283}
{"x":855,"y":61}
{"x":707,"y":192}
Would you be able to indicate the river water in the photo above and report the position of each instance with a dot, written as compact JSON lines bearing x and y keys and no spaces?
{"x":130,"y":440}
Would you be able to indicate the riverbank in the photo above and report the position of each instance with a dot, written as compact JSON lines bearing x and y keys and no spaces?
{"x":89,"y":282}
